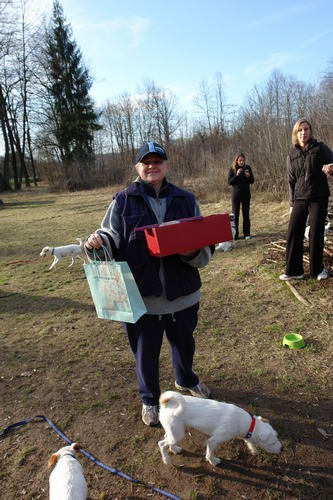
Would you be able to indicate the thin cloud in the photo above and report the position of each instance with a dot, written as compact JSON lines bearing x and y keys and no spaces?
{"x":127,"y":31}
{"x":311,"y":40}
{"x":282,"y":14}
{"x":135,"y":25}
{"x":274,"y":61}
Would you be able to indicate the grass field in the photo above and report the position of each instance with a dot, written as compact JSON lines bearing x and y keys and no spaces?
{"x":59,"y":360}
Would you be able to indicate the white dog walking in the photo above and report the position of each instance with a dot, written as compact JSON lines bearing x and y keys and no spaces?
{"x":58,"y":253}
{"x":221,"y":421}
{"x":67,"y":481}
{"x":225,"y":246}
{"x":307,"y":231}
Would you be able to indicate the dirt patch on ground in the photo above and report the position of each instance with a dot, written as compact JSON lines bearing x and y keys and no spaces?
{"x":58,"y":360}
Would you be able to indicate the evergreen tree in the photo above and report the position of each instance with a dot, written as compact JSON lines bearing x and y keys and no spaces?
{"x":71,"y":110}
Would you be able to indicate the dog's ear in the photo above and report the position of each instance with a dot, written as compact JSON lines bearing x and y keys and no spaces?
{"x":53,"y":460}
{"x":76,"y":446}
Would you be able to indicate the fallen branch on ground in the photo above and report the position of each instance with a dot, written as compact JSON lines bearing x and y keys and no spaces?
{"x":298,"y":295}
{"x":278,"y":246}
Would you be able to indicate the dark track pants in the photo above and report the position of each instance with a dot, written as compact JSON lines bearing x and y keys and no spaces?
{"x":238,"y":199}
{"x":317,"y":211}
{"x":146,"y":337}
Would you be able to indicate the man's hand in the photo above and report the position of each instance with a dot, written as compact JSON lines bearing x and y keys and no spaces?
{"x":94,"y":241}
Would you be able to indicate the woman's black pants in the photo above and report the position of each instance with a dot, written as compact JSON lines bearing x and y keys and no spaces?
{"x":238,"y":199}
{"x":317,"y":211}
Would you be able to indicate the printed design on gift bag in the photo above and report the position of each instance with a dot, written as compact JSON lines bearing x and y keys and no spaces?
{"x":109,"y":276}
{"x":113,"y":289}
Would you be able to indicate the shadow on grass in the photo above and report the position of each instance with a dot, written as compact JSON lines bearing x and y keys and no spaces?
{"x":287,"y":478}
{"x":28,"y":204}
{"x":20,"y":303}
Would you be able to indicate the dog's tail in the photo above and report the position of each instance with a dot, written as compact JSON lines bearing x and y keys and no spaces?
{"x":80,"y":241}
{"x":172,"y":400}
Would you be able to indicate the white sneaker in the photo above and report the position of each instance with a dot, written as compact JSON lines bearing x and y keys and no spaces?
{"x":150,"y":415}
{"x":287,"y":277}
{"x":323,"y":275}
{"x":199,"y":391}
{"x":247,"y":237}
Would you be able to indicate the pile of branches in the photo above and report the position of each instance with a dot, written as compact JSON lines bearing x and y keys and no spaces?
{"x":276,"y":250}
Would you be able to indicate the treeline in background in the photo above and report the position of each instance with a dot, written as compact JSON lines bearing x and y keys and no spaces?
{"x":51,"y":130}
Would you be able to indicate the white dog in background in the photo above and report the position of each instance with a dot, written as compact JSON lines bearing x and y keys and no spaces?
{"x":221,"y":421}
{"x":67,"y":481}
{"x":225,"y":246}
{"x":73,"y":251}
{"x":307,"y":231}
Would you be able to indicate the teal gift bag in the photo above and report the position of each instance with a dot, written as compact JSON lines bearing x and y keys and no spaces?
{"x":114,"y":291}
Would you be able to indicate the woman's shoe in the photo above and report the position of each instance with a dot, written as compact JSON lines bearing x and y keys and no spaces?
{"x":323,"y":275}
{"x":287,"y":277}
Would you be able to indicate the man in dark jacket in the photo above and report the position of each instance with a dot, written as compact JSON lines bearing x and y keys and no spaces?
{"x":170,"y":286}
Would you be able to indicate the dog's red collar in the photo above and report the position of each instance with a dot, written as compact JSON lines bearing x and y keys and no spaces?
{"x":251,"y":428}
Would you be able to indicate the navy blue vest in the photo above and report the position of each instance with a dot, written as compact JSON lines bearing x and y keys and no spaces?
{"x":135,"y":211}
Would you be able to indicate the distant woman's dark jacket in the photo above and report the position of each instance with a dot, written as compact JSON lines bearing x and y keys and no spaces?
{"x":241,"y":183}
{"x":306,"y":179}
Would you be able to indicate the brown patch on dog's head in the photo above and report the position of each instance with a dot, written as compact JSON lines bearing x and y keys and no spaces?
{"x":53,"y":459}
{"x":44,"y":251}
{"x":76,"y":446}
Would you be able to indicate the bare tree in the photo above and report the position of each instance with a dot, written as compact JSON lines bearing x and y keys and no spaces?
{"x":266,"y":120}
{"x":322,"y":110}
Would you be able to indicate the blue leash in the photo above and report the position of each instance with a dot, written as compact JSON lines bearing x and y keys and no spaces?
{"x":91,"y":457}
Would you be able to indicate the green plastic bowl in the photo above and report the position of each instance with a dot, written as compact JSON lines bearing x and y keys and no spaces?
{"x":293,"y":341}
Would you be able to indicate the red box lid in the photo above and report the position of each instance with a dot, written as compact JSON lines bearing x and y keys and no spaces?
{"x":187,"y":234}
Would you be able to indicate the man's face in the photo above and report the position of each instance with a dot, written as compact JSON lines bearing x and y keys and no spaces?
{"x":152,"y":169}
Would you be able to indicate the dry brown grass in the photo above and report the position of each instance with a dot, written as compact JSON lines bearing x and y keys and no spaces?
{"x":57,"y":359}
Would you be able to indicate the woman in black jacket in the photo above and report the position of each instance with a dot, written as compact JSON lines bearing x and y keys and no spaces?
{"x":308,"y":164}
{"x":240,"y":177}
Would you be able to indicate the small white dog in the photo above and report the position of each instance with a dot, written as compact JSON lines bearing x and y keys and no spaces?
{"x":221,"y":421}
{"x":307,"y":231}
{"x":58,"y":253}
{"x":225,"y":246}
{"x":67,"y":481}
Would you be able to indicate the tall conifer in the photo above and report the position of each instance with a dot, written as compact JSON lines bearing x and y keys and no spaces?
{"x":71,"y":112}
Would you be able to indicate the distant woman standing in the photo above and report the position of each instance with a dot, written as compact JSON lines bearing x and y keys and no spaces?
{"x":240,"y":177}
{"x":308,"y":164}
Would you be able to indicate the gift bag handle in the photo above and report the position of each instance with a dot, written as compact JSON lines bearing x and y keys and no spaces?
{"x":96,"y":257}
{"x":107,"y":256}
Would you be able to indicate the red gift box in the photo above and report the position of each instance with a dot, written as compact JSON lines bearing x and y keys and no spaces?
{"x":182,"y":235}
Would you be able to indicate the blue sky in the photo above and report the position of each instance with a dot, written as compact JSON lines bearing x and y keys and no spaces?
{"x":180,"y":43}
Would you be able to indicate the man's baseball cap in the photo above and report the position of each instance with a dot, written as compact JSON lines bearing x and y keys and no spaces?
{"x":148,"y":148}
